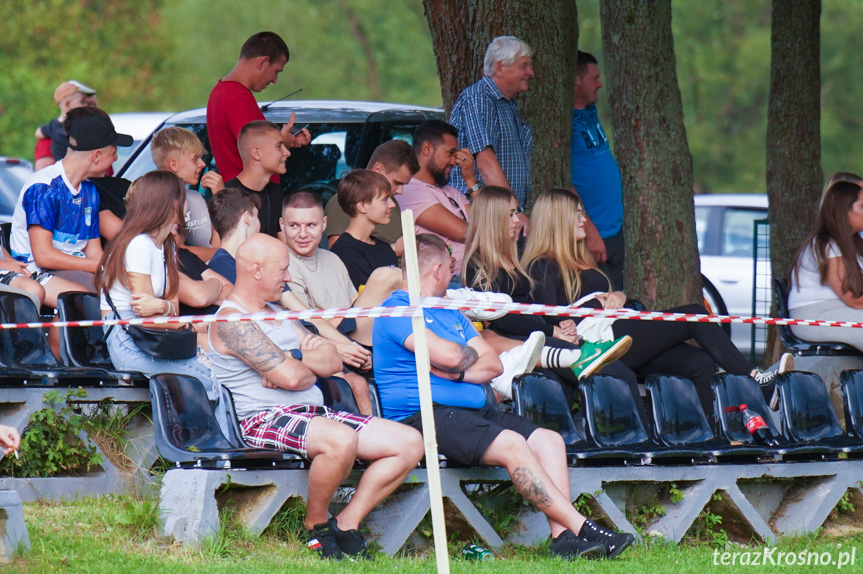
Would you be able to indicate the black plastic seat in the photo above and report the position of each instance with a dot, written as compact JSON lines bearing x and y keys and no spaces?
{"x":188,"y":434}
{"x":86,"y":346}
{"x":540,"y":399}
{"x":338,"y":395}
{"x":679,"y":420}
{"x":807,"y":415}
{"x":25,"y":352}
{"x":795,"y":343}
{"x":852,"y":396}
{"x":735,"y":390}
{"x":612,"y":421}
{"x":375,"y":398}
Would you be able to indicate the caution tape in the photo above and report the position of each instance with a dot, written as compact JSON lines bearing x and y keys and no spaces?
{"x":438,"y":303}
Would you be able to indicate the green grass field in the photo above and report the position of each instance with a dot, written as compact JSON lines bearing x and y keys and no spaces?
{"x":118,"y":534}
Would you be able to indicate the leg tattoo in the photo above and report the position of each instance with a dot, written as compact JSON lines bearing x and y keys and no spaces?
{"x":530,"y":487}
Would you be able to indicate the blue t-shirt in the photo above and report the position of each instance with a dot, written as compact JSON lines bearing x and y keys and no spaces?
{"x":50,"y":201}
{"x":595,"y":174}
{"x":396,"y":368}
{"x":225,"y":265}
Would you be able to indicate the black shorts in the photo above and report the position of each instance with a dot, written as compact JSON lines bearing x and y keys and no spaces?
{"x":464,"y":435}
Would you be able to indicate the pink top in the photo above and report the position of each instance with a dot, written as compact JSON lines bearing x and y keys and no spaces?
{"x":419,"y":196}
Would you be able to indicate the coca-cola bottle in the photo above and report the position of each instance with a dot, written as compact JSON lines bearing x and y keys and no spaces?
{"x":757,"y":427}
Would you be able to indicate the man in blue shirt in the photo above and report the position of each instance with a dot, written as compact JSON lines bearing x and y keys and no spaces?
{"x":595,"y":174}
{"x":489,"y":125}
{"x":468,"y":431}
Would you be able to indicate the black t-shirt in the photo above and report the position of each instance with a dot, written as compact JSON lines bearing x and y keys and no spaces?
{"x":362,"y":258}
{"x":193,"y":267}
{"x":271,"y":204}
{"x":112,"y":194}
{"x":550,"y":290}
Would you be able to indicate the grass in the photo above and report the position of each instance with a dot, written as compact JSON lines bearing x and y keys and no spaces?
{"x":119,"y":534}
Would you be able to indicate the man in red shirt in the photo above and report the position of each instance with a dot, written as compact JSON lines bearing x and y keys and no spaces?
{"x":232,"y":104}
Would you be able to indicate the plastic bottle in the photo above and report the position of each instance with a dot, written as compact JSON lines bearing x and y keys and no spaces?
{"x":757,"y":427}
{"x":474,"y":552}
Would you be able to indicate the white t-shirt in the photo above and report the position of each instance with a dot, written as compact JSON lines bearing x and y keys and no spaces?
{"x":806,"y":288}
{"x":144,"y":257}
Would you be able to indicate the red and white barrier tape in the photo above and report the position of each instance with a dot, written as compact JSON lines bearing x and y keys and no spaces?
{"x":440,"y":303}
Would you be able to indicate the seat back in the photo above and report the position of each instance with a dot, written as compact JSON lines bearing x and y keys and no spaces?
{"x":375,"y":398}
{"x":540,"y":399}
{"x":610,"y":413}
{"x":677,"y":414}
{"x":806,"y":414}
{"x":5,"y":233}
{"x":82,"y":346}
{"x":338,"y":394}
{"x":852,"y":395}
{"x":185,"y":425}
{"x":23,"y":348}
{"x":795,"y":343}
{"x":732,"y":391}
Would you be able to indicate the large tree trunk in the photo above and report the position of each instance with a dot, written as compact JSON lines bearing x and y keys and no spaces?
{"x":461,"y":32}
{"x":794,"y":175}
{"x":662,"y":268}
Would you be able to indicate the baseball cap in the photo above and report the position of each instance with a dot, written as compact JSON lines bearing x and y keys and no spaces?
{"x":63,"y":91}
{"x":83,"y":88}
{"x":96,"y":132}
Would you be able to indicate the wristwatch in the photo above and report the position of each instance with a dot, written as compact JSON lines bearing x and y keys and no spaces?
{"x":476,"y":187}
{"x":297,"y":354}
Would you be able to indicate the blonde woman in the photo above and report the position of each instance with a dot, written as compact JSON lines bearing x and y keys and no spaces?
{"x":491,"y":264}
{"x":557,"y":259}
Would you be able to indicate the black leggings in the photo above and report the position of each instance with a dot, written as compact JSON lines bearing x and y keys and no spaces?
{"x":658,"y":347}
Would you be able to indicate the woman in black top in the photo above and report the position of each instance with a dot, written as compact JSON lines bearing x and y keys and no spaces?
{"x":491,"y":264}
{"x":563,"y":272}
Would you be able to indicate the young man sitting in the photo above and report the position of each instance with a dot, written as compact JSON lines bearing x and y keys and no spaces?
{"x":467,"y":431}
{"x":234,"y":215}
{"x":264,"y":153}
{"x":271,"y":369}
{"x":367,"y":198}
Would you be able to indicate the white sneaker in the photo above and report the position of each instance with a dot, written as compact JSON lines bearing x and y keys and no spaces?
{"x":471,"y":295}
{"x":517,"y":362}
{"x":766,"y":378}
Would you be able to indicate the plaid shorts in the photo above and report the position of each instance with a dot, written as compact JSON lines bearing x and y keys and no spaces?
{"x":285,"y":427}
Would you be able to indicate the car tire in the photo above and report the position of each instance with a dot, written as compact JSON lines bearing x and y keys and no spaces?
{"x":714,"y":303}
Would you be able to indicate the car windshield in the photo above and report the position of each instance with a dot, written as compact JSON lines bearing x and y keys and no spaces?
{"x":12,"y":178}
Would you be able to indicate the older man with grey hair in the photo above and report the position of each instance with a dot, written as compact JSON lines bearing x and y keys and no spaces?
{"x":489,"y":125}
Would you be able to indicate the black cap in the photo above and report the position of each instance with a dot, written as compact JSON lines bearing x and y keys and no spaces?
{"x":96,"y":132}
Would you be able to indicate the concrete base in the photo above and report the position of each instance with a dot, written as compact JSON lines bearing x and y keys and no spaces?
{"x":13,"y":531}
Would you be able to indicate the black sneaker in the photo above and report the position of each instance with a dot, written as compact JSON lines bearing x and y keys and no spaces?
{"x":323,"y":541}
{"x":616,"y":542}
{"x":569,"y":547}
{"x":351,"y":542}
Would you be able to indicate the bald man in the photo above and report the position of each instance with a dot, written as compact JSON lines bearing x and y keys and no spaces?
{"x":271,"y":368}
{"x":263,"y":152}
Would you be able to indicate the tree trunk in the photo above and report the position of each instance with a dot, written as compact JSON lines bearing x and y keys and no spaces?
{"x":794,"y":175}
{"x":461,"y":32}
{"x":662,"y":268}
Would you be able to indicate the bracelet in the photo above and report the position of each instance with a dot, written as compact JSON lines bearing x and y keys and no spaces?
{"x":475,"y":187}
{"x":460,"y":377}
{"x":170,"y":311}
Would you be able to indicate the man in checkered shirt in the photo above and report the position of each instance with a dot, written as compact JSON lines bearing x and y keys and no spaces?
{"x":489,"y":125}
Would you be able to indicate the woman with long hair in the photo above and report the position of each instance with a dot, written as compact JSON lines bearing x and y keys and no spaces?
{"x":491,"y":264}
{"x":557,"y":259}
{"x":826,"y":278}
{"x":139,"y":273}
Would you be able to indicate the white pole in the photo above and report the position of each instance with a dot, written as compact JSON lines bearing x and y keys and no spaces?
{"x":426,"y":409}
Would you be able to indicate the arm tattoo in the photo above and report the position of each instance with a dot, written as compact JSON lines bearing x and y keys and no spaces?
{"x":246,"y":340}
{"x":530,"y":487}
{"x":469,"y":356}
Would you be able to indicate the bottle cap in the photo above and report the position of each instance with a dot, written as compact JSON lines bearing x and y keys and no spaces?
{"x":743,"y":407}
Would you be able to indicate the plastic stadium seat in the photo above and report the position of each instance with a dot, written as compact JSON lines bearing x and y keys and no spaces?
{"x":86,"y":346}
{"x":188,"y":434}
{"x":26,"y":353}
{"x":735,"y":390}
{"x":807,"y":415}
{"x":338,"y":395}
{"x":376,"y":399}
{"x":613,"y":422}
{"x":852,"y":395}
{"x":679,"y":420}
{"x":795,"y":343}
{"x":540,"y":400}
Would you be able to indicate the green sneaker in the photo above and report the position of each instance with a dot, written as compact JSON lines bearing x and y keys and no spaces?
{"x":594,"y":356}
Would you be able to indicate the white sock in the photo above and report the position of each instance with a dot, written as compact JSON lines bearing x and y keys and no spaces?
{"x":552,"y":358}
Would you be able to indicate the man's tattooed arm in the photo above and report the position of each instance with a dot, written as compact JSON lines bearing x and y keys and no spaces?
{"x":246,"y":340}
{"x":469,"y":356}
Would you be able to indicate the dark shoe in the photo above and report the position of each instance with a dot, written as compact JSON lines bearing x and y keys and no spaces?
{"x":616,"y":542}
{"x":351,"y":542}
{"x":323,"y":541}
{"x":569,"y":547}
